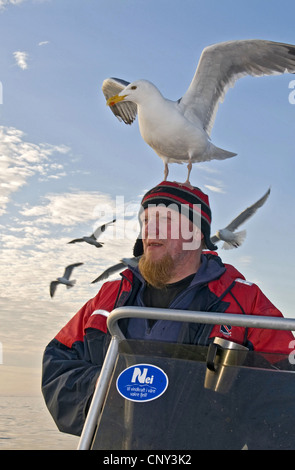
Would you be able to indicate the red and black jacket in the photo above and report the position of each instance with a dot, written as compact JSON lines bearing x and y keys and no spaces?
{"x":73,"y":359}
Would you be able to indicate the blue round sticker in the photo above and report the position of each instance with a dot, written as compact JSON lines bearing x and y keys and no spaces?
{"x":142,"y":382}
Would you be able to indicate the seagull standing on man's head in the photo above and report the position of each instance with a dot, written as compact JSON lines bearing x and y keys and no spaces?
{"x":179,"y":131}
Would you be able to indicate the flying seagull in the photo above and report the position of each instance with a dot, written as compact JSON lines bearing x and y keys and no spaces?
{"x":92,"y":239}
{"x":234,"y":240}
{"x":179,"y":131}
{"x":65,"y":279}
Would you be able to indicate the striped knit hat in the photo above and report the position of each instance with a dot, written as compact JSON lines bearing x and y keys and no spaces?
{"x":194,"y":199}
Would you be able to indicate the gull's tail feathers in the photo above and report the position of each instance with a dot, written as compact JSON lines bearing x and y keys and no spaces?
{"x":237,"y":240}
{"x":216,"y":153}
{"x":73,"y":282}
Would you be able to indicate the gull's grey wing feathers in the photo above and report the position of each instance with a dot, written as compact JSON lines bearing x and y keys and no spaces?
{"x":125,"y":110}
{"x":133,"y":262}
{"x":108,"y":272}
{"x":53,"y":286}
{"x":243,"y":216}
{"x":117,"y":267}
{"x":69,"y":269}
{"x":219,"y":67}
{"x":77,"y":240}
{"x":214,"y":239}
{"x":97,"y":232}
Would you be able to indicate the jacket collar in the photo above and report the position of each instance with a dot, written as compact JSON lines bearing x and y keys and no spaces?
{"x":211,"y":268}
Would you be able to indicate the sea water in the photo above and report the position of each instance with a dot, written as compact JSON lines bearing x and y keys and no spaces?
{"x":25,"y":424}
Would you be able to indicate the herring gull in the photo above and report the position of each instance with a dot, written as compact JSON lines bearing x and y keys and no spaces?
{"x":179,"y":131}
{"x":65,"y":279}
{"x":234,"y":240}
{"x":92,"y":239}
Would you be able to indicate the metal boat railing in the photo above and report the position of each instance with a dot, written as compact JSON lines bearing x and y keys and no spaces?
{"x":250,"y":321}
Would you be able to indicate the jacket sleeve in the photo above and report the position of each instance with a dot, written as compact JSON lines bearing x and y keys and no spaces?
{"x":73,"y":360}
{"x":68,"y":383}
{"x":255,"y":302}
{"x":266,"y":340}
{"x":71,"y":365}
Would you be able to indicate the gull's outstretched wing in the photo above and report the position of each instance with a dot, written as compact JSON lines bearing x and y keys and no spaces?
{"x":234,"y":240}
{"x":214,"y":239}
{"x":108,"y":272}
{"x":69,"y":269}
{"x":77,"y":240}
{"x":125,"y":110}
{"x":101,"y":229}
{"x":117,"y":267}
{"x":222,"y":64}
{"x":247,"y":213}
{"x":53,"y":286}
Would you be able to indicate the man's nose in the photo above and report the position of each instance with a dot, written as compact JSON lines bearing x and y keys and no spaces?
{"x":152,"y":228}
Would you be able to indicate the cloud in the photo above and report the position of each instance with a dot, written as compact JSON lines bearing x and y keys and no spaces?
{"x":21,"y":59}
{"x":35,"y":248}
{"x":215,"y":189}
{"x":20,"y":160}
{"x":43,"y":43}
{"x":70,"y":208}
{"x":5,"y":3}
{"x":85,"y":210}
{"x":30,"y":260}
{"x":34,"y":240}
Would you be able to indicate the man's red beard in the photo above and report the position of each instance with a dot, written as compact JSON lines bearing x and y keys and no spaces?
{"x":157,"y":273}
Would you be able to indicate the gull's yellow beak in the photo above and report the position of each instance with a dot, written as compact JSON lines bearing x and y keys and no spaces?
{"x":115,"y":99}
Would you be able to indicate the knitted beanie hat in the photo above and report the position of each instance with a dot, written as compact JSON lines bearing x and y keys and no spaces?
{"x":193,"y":199}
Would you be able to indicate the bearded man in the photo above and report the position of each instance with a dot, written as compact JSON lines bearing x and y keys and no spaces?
{"x":178,"y":269}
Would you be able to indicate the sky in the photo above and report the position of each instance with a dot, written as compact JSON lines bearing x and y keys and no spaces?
{"x":68,"y":165}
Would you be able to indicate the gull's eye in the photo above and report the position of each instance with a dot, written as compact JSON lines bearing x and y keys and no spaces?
{"x":133,"y":87}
